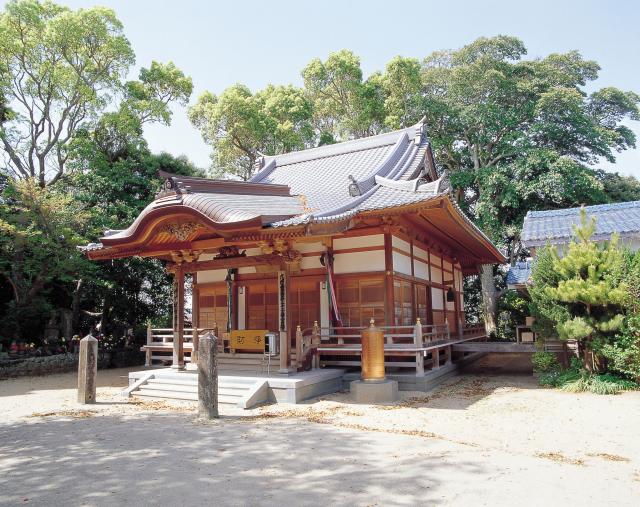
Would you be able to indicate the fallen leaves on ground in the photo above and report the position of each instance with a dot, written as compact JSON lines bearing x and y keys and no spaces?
{"x":76,"y":414}
{"x":608,"y":457}
{"x":559,"y":458}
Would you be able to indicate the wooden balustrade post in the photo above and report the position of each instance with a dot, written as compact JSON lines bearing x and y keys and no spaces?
{"x":148,"y":353}
{"x":417,"y":342}
{"x":315,"y":343}
{"x":87,"y":370}
{"x":435,"y":354}
{"x":195,"y":341}
{"x":298,"y":346}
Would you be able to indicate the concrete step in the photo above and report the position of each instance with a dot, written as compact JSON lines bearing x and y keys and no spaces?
{"x":151,"y":393}
{"x":170,"y":387}
{"x":184,"y":386}
{"x":176,"y":382}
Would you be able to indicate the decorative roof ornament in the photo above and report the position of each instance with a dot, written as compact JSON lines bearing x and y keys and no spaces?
{"x":444,"y":183}
{"x":180,"y":231}
{"x":354,"y":188}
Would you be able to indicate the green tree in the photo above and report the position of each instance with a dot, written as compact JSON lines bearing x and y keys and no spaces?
{"x":240,"y":126}
{"x":345,"y":106}
{"x":486,"y":107}
{"x":619,"y":188}
{"x":149,"y":97}
{"x":402,"y":84}
{"x":114,"y":176}
{"x":64,"y":66}
{"x":586,"y":297}
{"x":39,"y":232}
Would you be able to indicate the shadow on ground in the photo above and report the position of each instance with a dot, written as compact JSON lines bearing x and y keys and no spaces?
{"x":173,"y":459}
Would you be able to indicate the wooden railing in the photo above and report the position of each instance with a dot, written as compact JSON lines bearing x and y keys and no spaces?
{"x":159,"y":346}
{"x":427,"y":344}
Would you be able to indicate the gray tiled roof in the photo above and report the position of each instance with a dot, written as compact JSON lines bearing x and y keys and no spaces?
{"x":556,"y":226}
{"x":370,"y":166}
{"x":519,"y":274}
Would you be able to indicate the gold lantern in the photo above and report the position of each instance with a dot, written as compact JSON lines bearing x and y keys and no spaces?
{"x":372,"y":353}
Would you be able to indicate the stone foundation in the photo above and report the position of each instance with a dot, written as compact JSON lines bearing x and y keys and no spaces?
{"x":64,"y":363}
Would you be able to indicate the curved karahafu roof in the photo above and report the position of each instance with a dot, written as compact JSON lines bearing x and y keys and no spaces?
{"x":311,"y":192}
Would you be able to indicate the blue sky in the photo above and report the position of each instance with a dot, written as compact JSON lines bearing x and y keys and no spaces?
{"x":256,"y":43}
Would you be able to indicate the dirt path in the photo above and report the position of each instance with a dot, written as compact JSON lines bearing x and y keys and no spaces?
{"x":477,"y":440}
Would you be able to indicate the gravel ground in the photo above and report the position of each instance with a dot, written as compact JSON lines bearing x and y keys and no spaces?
{"x":479,"y":439}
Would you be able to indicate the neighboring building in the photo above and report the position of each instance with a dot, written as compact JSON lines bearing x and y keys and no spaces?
{"x":368,"y":217}
{"x":555,"y":227}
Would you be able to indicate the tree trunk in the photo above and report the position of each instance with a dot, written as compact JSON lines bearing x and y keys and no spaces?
{"x":490,"y":296}
{"x":75,"y":307}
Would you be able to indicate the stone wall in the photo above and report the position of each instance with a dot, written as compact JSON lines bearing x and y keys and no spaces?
{"x":63,"y":363}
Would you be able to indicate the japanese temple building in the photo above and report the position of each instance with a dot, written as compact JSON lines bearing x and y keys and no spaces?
{"x":318,"y":241}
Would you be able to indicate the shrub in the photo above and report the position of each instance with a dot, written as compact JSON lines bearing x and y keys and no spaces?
{"x":544,"y":362}
{"x":624,"y":353}
{"x":577,"y":380}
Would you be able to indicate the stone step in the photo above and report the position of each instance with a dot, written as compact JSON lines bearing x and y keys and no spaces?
{"x":176,"y":382}
{"x":170,"y":387}
{"x":151,"y":393}
{"x":222,"y":390}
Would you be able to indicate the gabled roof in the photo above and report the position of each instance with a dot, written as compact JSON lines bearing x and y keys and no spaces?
{"x":310,"y":192}
{"x":355,"y":175}
{"x":556,"y":226}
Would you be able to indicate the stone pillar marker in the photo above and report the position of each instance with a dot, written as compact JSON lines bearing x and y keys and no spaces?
{"x":208,"y":377}
{"x":87,"y":370}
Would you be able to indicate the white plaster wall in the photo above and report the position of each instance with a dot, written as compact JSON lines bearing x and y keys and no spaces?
{"x":358,"y":262}
{"x":447,"y":265}
{"x":310,"y":262}
{"x":309,"y":247}
{"x":437,"y":303}
{"x":401,"y":263}
{"x":246,"y":270}
{"x":435,"y":259}
{"x":400,"y":244}
{"x":358,"y":242}
{"x":420,"y":269}
{"x":420,"y":253}
{"x":436,"y":274}
{"x":214,"y":275}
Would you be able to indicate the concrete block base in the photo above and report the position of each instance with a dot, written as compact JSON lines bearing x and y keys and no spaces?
{"x":374,"y":392}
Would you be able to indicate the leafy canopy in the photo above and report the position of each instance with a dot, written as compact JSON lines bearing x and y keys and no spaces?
{"x":241,"y":126}
{"x":59,"y":70}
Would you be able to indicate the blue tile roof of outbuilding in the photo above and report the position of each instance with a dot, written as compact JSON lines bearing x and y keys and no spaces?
{"x":556,"y":226}
{"x":519,"y":274}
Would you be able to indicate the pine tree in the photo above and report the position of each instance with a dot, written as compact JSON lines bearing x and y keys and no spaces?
{"x":589,"y":286}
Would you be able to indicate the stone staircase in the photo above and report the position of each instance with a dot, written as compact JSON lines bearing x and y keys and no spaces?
{"x":242,"y":392}
{"x":256,"y":364}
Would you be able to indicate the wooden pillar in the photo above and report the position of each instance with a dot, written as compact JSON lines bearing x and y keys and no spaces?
{"x":389,"y":307}
{"x":87,"y":370}
{"x":417,"y":342}
{"x":195,"y":318}
{"x":284,"y":318}
{"x":178,"y":322}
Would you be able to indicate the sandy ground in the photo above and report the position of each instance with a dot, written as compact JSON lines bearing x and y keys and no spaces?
{"x":479,"y":439}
